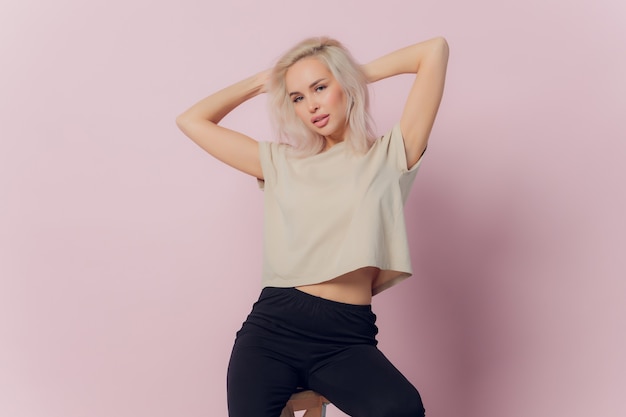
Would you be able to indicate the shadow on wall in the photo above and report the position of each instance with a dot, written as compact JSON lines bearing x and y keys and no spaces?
{"x":459,"y":304}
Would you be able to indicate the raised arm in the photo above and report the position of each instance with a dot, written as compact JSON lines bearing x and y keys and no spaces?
{"x":428,"y":60}
{"x":200,"y":121}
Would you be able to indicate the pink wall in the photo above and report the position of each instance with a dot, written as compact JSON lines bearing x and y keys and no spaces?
{"x":128,"y":258}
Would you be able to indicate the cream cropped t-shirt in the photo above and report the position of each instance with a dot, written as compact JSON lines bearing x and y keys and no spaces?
{"x":335,"y":212}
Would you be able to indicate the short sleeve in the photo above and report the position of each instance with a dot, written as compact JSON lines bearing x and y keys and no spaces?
{"x":267,"y":165}
{"x":396,"y":153}
{"x":273,"y":157}
{"x":397,"y":150}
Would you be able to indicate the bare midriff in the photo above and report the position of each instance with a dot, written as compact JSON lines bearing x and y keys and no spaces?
{"x":355,"y":287}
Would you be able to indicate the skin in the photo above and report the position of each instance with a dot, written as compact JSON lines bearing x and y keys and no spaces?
{"x":316,"y":92}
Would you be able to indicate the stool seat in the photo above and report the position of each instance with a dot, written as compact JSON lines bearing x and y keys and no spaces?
{"x":314,"y":404}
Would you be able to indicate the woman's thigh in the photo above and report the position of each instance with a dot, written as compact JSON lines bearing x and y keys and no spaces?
{"x":259,"y":383}
{"x":362,"y":382}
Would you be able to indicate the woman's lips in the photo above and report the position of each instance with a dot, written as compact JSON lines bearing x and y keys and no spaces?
{"x":320,"y":121}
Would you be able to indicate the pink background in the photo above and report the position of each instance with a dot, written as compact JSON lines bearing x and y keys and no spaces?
{"x":129,"y":258}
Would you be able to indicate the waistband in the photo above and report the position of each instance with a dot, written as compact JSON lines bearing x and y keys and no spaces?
{"x":306,"y":298}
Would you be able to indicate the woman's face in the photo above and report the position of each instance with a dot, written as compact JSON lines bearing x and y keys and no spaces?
{"x":317,"y":97}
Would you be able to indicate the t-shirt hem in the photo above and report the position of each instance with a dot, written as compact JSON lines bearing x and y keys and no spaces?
{"x":278,"y":282}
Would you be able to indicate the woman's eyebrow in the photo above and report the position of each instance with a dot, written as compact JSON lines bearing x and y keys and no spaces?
{"x":310,"y":86}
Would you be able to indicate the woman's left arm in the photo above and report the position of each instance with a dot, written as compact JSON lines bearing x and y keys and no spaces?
{"x":428,"y":60}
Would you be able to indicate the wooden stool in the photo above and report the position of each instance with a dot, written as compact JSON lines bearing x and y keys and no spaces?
{"x":312,"y":402}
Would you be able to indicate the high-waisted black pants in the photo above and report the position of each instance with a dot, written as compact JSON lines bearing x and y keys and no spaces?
{"x":292,"y":339}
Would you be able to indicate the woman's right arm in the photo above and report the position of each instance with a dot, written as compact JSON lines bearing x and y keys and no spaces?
{"x":200,"y":124}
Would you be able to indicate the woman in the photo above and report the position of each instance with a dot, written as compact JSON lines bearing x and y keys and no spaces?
{"x":334,"y":227}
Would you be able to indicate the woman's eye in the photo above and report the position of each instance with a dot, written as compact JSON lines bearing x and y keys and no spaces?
{"x":320,"y":88}
{"x":297,"y":99}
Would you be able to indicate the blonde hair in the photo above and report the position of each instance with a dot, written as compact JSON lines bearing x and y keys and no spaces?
{"x":347,"y":72}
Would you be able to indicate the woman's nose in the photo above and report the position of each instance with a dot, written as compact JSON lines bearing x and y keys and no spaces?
{"x":313,"y":106}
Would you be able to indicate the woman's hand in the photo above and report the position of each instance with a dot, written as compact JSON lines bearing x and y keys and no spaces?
{"x":263,"y":79}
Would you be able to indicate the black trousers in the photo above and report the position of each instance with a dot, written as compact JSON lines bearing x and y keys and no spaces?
{"x":292,"y":339}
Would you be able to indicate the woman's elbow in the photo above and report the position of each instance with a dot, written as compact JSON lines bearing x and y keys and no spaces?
{"x":440,"y":45}
{"x":182,"y":120}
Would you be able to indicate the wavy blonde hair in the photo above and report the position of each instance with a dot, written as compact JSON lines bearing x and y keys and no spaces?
{"x":350,"y":76}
